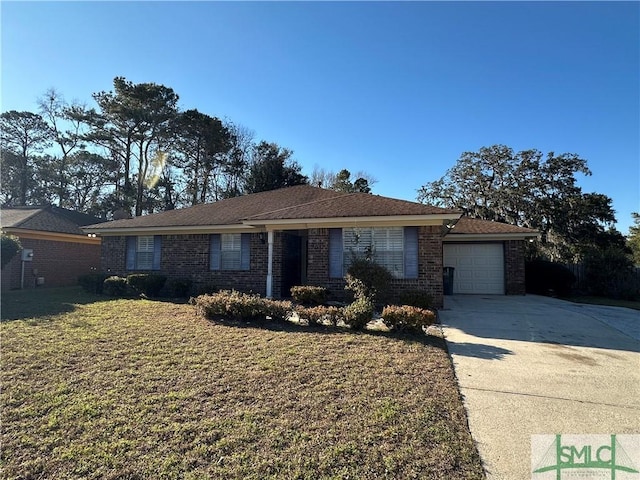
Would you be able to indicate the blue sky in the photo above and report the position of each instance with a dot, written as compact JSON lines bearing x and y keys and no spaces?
{"x":398,"y":89}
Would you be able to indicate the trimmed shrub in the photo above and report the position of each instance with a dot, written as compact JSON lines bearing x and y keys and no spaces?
{"x":235,"y":305}
{"x":179,"y":287}
{"x":148,"y":284}
{"x":242,"y":306}
{"x":375,"y":279}
{"x":309,"y":295}
{"x":320,"y":314}
{"x":548,"y":278}
{"x":358,"y":313}
{"x":115,"y":286}
{"x":407,"y":317}
{"x":9,"y":246}
{"x":93,"y":282}
{"x":279,"y":310}
{"x":416,"y":298}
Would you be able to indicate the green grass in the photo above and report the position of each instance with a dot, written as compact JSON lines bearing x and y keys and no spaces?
{"x":139,"y":389}
{"x":611,"y":302}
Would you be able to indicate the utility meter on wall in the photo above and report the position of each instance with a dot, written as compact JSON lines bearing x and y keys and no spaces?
{"x":27,"y":254}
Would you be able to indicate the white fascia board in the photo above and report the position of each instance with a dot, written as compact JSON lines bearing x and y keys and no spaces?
{"x":485,"y":237}
{"x":174,"y":230}
{"x":336,"y":222}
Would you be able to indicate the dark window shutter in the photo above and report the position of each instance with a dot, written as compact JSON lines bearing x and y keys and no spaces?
{"x":411,"y":252}
{"x":131,"y":252}
{"x":157,"y":251}
{"x":214,"y":252}
{"x":245,"y":251}
{"x":335,"y":253}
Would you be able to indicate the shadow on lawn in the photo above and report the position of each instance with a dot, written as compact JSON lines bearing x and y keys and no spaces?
{"x":43,"y":303}
{"x":294,"y":328}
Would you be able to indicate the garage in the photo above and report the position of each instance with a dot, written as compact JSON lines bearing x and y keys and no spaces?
{"x":479,"y":267}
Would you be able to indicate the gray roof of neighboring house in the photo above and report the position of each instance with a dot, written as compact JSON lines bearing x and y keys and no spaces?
{"x":299,"y":202}
{"x":46,"y":219}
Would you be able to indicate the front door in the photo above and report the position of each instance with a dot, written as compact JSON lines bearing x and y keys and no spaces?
{"x":294,"y":247}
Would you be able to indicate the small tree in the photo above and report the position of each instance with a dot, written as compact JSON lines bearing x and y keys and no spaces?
{"x":609,"y":273}
{"x":9,"y":247}
{"x":373,"y":281}
{"x":633,"y":239}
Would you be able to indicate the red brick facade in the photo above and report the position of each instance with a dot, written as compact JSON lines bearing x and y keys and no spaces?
{"x":59,"y":263}
{"x":514,"y":267}
{"x":188,"y":256}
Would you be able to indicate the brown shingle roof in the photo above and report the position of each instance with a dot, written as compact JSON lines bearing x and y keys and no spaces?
{"x":352,"y":205}
{"x":45,"y":219}
{"x":470,"y":226}
{"x":299,"y":202}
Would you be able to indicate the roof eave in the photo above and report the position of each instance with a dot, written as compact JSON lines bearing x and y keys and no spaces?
{"x":338,"y":222}
{"x":169,"y":230}
{"x":475,"y":237}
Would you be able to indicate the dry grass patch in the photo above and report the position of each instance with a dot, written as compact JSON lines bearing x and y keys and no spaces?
{"x":141,"y":389}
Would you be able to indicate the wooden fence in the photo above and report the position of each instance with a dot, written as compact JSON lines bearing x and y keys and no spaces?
{"x":580,"y":271}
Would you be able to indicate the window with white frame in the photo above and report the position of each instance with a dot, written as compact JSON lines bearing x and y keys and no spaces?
{"x":230,"y":251}
{"x":144,"y":253}
{"x":383,"y":245}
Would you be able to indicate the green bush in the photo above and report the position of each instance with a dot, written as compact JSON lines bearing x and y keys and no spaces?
{"x":92,"y":282}
{"x":320,"y":314}
{"x":115,"y":286}
{"x":407,"y":317}
{"x":358,"y":313}
{"x":279,"y":310}
{"x":375,"y":280}
{"x":239,"y":306}
{"x":416,"y":298}
{"x":309,"y":295}
{"x":9,"y":246}
{"x":179,"y":287}
{"x":148,"y":284}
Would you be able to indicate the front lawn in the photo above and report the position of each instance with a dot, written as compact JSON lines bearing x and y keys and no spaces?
{"x":141,"y":389}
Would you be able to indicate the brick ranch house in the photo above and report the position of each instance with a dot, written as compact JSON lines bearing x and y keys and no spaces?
{"x":268,"y":242}
{"x":61,"y":250}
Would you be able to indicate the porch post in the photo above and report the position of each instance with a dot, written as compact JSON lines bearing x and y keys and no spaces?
{"x":270,"y":264}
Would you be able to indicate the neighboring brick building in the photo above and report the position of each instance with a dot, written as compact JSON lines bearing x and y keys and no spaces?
{"x":61,"y":250}
{"x":270,"y":241}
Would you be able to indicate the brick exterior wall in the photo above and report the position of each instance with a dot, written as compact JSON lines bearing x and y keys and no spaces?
{"x":429,"y":265}
{"x":187,"y":256}
{"x":60,"y":263}
{"x":514,"y":267}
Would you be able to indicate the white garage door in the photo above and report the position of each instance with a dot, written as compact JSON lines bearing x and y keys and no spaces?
{"x":479,"y":267}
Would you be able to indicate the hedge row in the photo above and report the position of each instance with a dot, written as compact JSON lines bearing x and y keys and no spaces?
{"x":150,"y":285}
{"x":238,"y":306}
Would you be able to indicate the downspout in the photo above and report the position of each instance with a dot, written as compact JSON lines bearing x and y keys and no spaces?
{"x":270,"y":264}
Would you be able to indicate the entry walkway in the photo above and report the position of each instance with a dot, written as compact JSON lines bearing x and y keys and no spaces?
{"x":536,"y":365}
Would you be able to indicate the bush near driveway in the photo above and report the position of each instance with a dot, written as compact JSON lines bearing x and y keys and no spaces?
{"x":407,"y":317}
{"x":140,"y":389}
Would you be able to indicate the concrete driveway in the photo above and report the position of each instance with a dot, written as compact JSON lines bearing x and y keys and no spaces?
{"x":536,"y":365}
